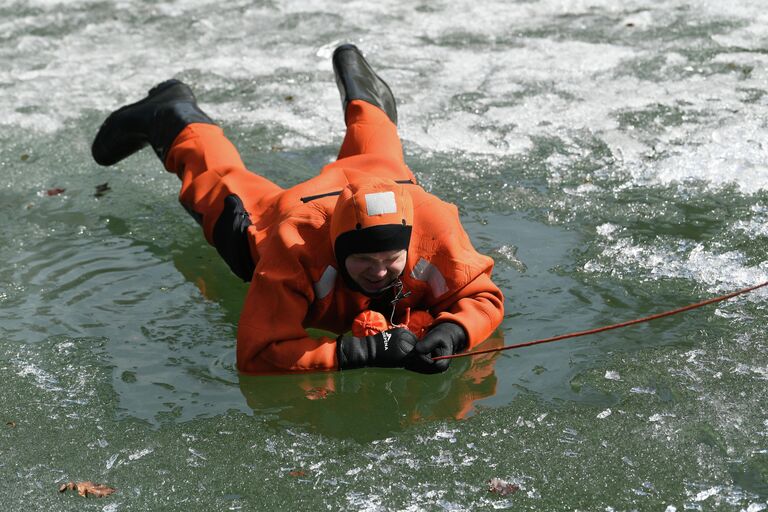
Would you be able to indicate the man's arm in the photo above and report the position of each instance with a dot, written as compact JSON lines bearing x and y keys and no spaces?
{"x":466,"y":304}
{"x":271,"y":337}
{"x":464,"y":323}
{"x":459,"y":276}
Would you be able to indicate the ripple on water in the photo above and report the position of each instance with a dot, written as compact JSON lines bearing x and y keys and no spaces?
{"x":78,"y":286}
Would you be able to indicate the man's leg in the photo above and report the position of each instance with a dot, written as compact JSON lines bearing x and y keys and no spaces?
{"x":216,"y":188}
{"x":370,"y":110}
{"x":370,"y":131}
{"x":221,"y":194}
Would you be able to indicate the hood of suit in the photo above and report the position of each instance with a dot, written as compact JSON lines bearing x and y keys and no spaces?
{"x":372,"y":215}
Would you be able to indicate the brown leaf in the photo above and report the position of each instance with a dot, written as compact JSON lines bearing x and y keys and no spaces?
{"x":87,"y":488}
{"x":499,"y":486}
{"x":55,"y":191}
{"x":297,"y":473}
{"x":317,"y":393}
{"x":11,"y":424}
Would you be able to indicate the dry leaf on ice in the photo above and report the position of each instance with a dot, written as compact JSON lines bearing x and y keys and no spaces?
{"x":87,"y":488}
{"x":499,"y":486}
{"x":317,"y":393}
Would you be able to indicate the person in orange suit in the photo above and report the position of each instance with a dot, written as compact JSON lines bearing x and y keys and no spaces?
{"x":361,"y":235}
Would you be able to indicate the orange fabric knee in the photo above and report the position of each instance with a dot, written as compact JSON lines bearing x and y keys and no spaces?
{"x":200,"y":147}
{"x":370,"y":131}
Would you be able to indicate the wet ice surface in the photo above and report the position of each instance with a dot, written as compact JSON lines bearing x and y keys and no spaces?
{"x":554,"y":454}
{"x":609,"y":156}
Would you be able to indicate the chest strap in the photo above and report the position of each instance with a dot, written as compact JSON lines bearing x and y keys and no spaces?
{"x":338,"y":192}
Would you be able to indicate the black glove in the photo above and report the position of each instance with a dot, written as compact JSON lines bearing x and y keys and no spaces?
{"x":388,"y":349}
{"x":443,"y":340}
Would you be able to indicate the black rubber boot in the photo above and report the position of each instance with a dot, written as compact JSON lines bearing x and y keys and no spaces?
{"x":357,"y":81}
{"x":156,"y":120}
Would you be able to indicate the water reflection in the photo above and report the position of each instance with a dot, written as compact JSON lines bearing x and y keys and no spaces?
{"x":373,"y":403}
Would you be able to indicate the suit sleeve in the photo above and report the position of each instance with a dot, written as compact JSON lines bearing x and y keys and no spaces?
{"x":271,"y":337}
{"x":469,"y":297}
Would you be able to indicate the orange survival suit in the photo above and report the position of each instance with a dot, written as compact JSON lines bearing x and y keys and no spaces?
{"x":289,"y":240}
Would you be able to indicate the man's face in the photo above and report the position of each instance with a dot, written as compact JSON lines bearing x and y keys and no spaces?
{"x":376,"y":270}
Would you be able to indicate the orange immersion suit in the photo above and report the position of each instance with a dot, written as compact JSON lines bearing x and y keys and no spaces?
{"x":288,"y":251}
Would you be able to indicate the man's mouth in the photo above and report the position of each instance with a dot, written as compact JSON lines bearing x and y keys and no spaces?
{"x":376,"y":285}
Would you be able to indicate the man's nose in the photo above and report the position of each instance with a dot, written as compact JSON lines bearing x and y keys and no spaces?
{"x":380,"y":270}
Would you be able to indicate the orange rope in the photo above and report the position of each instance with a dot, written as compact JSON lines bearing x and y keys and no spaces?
{"x":608,"y":327}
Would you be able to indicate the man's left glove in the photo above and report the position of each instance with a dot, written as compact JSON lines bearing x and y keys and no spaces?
{"x":444,"y":339}
{"x":388,"y":349}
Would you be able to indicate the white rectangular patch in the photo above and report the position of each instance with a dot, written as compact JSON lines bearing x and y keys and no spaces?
{"x":380,"y":203}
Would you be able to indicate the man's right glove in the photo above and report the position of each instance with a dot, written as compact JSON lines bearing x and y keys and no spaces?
{"x":388,"y":349}
{"x":444,"y":339}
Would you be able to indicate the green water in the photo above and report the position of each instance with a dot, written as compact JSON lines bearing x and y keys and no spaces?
{"x":609,"y":157}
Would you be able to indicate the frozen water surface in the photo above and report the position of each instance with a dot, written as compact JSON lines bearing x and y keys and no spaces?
{"x":610,"y":156}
